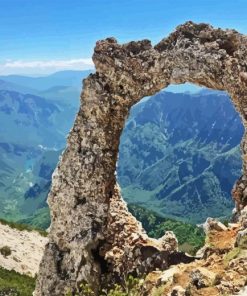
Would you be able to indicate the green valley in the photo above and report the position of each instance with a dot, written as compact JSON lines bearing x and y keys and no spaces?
{"x":179,"y":152}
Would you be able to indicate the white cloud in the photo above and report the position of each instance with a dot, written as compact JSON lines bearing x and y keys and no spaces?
{"x":40,"y":67}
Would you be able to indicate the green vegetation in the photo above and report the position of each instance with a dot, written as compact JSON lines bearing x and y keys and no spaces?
{"x":179,"y":154}
{"x":231,"y":255}
{"x":39,"y":220}
{"x":22,"y":227}
{"x":131,"y":287}
{"x":190,"y":237}
{"x":159,"y":291}
{"x":5,"y":251}
{"x":177,"y":157}
{"x":17,"y":284}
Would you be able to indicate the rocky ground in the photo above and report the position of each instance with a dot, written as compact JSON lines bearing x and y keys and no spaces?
{"x":21,"y":250}
{"x":221,"y":271}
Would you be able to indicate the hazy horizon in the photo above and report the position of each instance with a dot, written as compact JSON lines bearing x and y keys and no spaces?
{"x":40,"y":38}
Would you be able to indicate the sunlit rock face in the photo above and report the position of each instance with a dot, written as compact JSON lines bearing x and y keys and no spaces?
{"x":92,"y":235}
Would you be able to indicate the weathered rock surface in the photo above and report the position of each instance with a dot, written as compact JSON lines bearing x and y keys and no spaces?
{"x":26,"y":249}
{"x":213,"y":224}
{"x":177,"y":291}
{"x":202,"y":277}
{"x":223,"y":271}
{"x":128,"y":248}
{"x":92,"y":234}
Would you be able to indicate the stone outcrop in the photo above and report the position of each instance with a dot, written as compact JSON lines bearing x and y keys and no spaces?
{"x":128,"y":248}
{"x":92,"y":235}
{"x":221,"y":271}
{"x":213,"y":224}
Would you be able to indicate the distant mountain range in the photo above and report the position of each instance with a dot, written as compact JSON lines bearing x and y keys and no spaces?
{"x":62,"y":78}
{"x":63,"y":86}
{"x":179,"y":153}
{"x":180,"y":156}
{"x":31,"y":125}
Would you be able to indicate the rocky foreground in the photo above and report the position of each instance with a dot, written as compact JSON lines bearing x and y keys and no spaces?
{"x":21,"y":250}
{"x":219,"y":268}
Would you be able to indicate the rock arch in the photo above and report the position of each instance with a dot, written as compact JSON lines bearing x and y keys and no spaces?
{"x":92,"y":234}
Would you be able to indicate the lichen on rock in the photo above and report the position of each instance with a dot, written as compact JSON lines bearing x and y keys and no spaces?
{"x":92,"y":235}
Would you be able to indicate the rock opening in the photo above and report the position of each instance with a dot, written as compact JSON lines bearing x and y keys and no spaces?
{"x":195,"y":53}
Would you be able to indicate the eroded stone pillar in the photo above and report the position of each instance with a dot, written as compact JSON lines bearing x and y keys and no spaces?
{"x":82,"y":186}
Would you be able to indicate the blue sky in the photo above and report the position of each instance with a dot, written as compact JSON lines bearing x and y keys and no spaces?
{"x":43,"y":36}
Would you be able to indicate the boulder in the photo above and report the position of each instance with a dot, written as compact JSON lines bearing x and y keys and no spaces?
{"x":213,"y":224}
{"x":169,"y":241}
{"x":202,"y":277}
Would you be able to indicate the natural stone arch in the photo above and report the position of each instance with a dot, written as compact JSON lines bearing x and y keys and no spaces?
{"x":92,"y":234}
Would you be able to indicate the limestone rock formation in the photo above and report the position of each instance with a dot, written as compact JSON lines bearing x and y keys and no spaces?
{"x":92,"y":236}
{"x":221,"y":271}
{"x":213,"y":224}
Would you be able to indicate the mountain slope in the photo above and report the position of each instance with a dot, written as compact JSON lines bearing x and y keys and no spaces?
{"x":29,"y":116}
{"x":62,"y":87}
{"x":61,"y":78}
{"x":5,"y":85}
{"x":29,"y":125}
{"x":179,"y":155}
{"x":16,"y":177}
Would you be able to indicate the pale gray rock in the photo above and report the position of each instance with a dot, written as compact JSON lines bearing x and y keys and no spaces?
{"x":241,"y":240}
{"x":243,"y":292}
{"x":169,"y":241}
{"x":213,"y":224}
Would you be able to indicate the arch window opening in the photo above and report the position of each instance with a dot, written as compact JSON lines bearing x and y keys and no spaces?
{"x":179,"y":157}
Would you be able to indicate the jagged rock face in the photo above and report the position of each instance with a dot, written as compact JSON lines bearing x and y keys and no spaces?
{"x":221,"y":271}
{"x":85,"y":231}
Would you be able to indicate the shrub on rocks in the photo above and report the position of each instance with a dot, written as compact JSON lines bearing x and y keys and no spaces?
{"x":5,"y":251}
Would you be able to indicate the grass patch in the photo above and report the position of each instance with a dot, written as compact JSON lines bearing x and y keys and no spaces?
{"x":231,"y":255}
{"x":131,"y":287}
{"x":158,"y":291}
{"x":22,"y":227}
{"x":39,"y":220}
{"x":16,"y":284}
